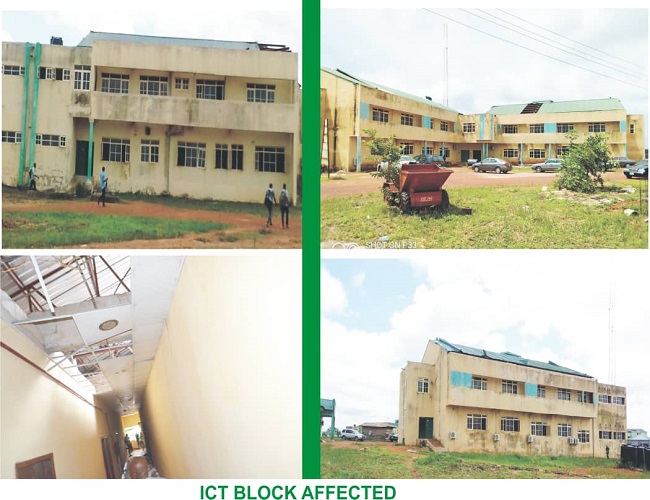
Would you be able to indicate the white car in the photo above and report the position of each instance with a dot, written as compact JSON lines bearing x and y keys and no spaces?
{"x":403,"y":160}
{"x":352,"y":435}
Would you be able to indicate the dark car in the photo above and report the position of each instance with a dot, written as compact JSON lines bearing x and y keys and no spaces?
{"x":495,"y":165}
{"x":550,"y":165}
{"x":431,"y":160}
{"x":639,"y":169}
{"x":623,"y":161}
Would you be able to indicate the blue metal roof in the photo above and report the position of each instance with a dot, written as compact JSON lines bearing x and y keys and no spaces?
{"x":94,"y":36}
{"x":507,"y":357}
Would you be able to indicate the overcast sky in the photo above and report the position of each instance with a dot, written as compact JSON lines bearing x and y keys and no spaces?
{"x":377,"y":314}
{"x":276,"y":23}
{"x":491,"y":61}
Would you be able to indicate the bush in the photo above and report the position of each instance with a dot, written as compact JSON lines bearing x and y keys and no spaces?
{"x":82,"y":190}
{"x":583,"y":165}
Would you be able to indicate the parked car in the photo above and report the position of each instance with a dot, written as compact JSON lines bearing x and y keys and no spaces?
{"x":431,"y":160}
{"x":351,"y":434}
{"x":393,"y":438}
{"x":403,"y":160}
{"x":623,"y":161}
{"x":550,"y":165}
{"x":496,"y":165}
{"x":639,"y":169}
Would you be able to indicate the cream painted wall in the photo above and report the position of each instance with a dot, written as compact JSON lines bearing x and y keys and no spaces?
{"x":224,"y":395}
{"x":41,"y":417}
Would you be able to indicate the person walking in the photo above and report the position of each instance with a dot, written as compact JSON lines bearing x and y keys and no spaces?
{"x":32,"y":177}
{"x":103,"y":183}
{"x":269,"y":201}
{"x":284,"y":206}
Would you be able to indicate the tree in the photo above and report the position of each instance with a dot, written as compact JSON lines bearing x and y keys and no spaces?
{"x":584,"y":163}
{"x":384,"y":150}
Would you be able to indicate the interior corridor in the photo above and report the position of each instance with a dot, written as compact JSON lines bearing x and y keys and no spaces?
{"x":195,"y":361}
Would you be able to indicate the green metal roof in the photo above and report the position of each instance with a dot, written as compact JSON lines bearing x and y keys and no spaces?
{"x":507,"y":357}
{"x":610,"y":104}
{"x":353,"y":79}
{"x":327,"y":404}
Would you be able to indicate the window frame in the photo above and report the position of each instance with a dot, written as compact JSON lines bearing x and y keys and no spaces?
{"x":511,"y":153}
{"x":82,"y":77}
{"x":114,"y":83}
{"x":444,"y":126}
{"x":157,"y":86}
{"x":204,"y":84}
{"x":583,"y":436}
{"x":221,"y":156}
{"x":476,"y":422}
{"x":539,"y":429}
{"x":13,"y":70}
{"x":196,"y":157}
{"x":509,"y":387}
{"x":541,"y":391}
{"x":181,"y":83}
{"x":469,"y":128}
{"x":380,"y":115}
{"x":537,"y":153}
{"x":406,"y":119}
{"x":509,"y":129}
{"x":407,"y":148}
{"x":479,"y":383}
{"x":536,"y":128}
{"x":563,"y":429}
{"x":11,"y":137}
{"x":237,"y":157}
{"x":119,"y":150}
{"x":564,"y":128}
{"x":564,"y":394}
{"x":149,"y":151}
{"x":423,"y":385}
{"x":597,"y":128}
{"x":260,"y":92}
{"x":270,"y":159}
{"x":510,"y":424}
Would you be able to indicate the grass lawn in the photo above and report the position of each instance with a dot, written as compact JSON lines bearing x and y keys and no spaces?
{"x":502,"y":217}
{"x":372,"y":461}
{"x":42,"y":229}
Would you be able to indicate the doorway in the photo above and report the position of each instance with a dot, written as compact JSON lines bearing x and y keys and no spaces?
{"x":425,"y":428}
{"x":81,"y":159}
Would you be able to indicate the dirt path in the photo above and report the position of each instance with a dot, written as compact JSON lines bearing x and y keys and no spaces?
{"x":245,"y":231}
{"x":364,"y":183}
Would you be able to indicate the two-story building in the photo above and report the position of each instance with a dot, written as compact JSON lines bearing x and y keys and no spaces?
{"x":202,"y":118}
{"x":475,"y":400}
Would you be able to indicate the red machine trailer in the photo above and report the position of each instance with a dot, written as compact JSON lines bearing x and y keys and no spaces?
{"x":418,"y":187}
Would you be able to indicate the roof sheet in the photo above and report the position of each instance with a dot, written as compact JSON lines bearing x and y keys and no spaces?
{"x":507,"y":357}
{"x":327,"y":404}
{"x":353,"y":79}
{"x":94,"y":36}
{"x":610,"y":104}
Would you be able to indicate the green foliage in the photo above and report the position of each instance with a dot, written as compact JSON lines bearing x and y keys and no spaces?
{"x":81,"y":190}
{"x":383,"y":149}
{"x":583,"y":165}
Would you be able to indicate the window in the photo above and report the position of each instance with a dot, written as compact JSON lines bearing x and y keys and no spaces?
{"x":427,"y":150}
{"x":564,"y":394}
{"x":631,"y":128}
{"x":618,"y":400}
{"x":479,"y":383}
{"x":407,"y":119}
{"x":604,"y":434}
{"x":221,"y":158}
{"x":596,"y":127}
{"x":423,"y":385}
{"x":563,"y":128}
{"x":537,"y":153}
{"x":257,"y":92}
{"x":45,"y":73}
{"x":509,"y":424}
{"x":539,"y":429}
{"x":13,"y":70}
{"x":511,"y":153}
{"x":62,"y":74}
{"x":561,"y":151}
{"x":115,"y":84}
{"x":444,"y":126}
{"x":583,"y":436}
{"x":618,"y":435}
{"x":604,"y":398}
{"x":153,"y":85}
{"x":116,"y":150}
{"x":537,"y":128}
{"x":50,"y":140}
{"x":510,"y":129}
{"x":407,"y":148}
{"x":469,"y":128}
{"x":508,"y":387}
{"x":585,"y":397}
{"x":149,"y":151}
{"x":237,"y":157}
{"x":477,"y":422}
{"x":182,"y":84}
{"x":563,"y":430}
{"x":211,"y":89}
{"x":444,"y":153}
{"x":11,"y":137}
{"x":191,"y":154}
{"x":82,"y":77}
{"x":269,"y":159}
{"x":379,"y":115}
{"x":541,"y":391}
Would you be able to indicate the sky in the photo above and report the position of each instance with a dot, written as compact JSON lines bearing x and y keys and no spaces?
{"x":378,"y":313}
{"x":279,"y":24}
{"x":490,"y":60}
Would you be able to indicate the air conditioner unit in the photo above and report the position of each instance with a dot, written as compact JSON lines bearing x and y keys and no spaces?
{"x":529,"y":439}
{"x":452,"y":435}
{"x":573,"y":440}
{"x":497,"y":437}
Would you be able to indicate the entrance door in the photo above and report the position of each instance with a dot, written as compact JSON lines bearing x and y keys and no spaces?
{"x":464,"y":155}
{"x":81,"y":160}
{"x":476,"y":154}
{"x":425,"y":430}
{"x":108,"y":462}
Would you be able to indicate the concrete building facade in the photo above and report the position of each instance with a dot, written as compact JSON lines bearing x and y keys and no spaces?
{"x":519,"y":133}
{"x":202,"y":118}
{"x":472,"y":400}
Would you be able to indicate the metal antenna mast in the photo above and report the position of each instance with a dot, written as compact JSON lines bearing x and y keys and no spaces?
{"x":612,"y":343}
{"x":446,"y":71}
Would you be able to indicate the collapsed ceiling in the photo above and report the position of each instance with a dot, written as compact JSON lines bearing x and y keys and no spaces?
{"x":99,"y":318}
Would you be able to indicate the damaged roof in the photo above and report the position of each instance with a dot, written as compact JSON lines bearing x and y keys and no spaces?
{"x":609,"y":104}
{"x":507,"y":357}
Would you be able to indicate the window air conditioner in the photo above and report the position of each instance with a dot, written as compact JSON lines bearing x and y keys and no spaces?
{"x":529,"y":439}
{"x":497,"y":437}
{"x":452,"y":435}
